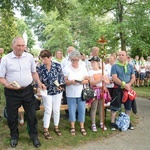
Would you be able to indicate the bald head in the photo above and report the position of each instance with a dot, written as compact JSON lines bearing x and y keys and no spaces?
{"x":70,"y":49}
{"x":95,"y":51}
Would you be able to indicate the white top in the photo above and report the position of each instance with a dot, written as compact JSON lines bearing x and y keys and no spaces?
{"x":108,"y":70}
{"x":65,"y":62}
{"x":17,"y":69}
{"x":147,"y":64}
{"x":142,"y":67}
{"x":75,"y":74}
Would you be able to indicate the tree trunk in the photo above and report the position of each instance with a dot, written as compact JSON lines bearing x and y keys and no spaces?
{"x":120,"y":20}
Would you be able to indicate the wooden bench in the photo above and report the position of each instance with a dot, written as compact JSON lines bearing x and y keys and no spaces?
{"x":65,"y":107}
{"x":62,"y":107}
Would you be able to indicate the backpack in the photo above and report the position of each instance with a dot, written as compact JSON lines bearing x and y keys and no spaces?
{"x":123,"y":121}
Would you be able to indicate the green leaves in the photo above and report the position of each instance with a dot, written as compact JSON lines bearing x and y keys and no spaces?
{"x":8,"y":29}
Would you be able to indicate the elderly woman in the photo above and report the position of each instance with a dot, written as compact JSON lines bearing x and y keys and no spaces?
{"x":75,"y":76}
{"x":50,"y":72}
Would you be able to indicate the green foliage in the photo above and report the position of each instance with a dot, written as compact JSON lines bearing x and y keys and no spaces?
{"x":81,"y":23}
{"x":129,"y":24}
{"x":56,"y":32}
{"x":8,"y":29}
{"x":26,"y":6}
{"x":139,"y":27}
{"x":35,"y":52}
{"x":23,"y":27}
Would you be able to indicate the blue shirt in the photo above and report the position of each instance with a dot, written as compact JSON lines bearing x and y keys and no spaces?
{"x":48,"y":77}
{"x":119,"y":70}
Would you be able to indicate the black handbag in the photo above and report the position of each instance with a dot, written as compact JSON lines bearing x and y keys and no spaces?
{"x":87,"y":92}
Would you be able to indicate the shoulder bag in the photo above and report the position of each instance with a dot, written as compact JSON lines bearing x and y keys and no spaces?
{"x":87,"y":92}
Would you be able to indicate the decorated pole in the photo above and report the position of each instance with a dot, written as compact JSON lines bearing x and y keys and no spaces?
{"x":102,"y":54}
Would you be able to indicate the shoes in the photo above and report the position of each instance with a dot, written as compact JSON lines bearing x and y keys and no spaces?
{"x":101,"y":126}
{"x":36,"y":142}
{"x":13,"y":143}
{"x":131,"y":127}
{"x":113,"y":126}
{"x":93,"y":127}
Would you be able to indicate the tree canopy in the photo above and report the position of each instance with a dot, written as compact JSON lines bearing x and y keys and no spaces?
{"x":58,"y":24}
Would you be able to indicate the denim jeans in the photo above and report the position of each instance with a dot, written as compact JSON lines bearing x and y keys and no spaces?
{"x":73,"y":105}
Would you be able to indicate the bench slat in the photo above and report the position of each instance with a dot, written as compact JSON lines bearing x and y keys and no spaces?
{"x":62,"y":107}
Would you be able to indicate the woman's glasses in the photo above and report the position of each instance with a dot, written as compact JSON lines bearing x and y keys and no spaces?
{"x":74,"y":59}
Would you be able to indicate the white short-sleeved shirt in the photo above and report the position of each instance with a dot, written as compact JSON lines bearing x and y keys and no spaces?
{"x":75,"y":74}
{"x":108,"y":70}
{"x":17,"y":69}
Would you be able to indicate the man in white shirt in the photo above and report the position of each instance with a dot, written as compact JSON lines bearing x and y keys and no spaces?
{"x":19,"y":66}
{"x":66,"y":60}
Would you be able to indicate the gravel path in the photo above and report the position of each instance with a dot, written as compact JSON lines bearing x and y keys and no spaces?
{"x":137,"y":139}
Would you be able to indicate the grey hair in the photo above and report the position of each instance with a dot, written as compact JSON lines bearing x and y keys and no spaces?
{"x":16,"y":38}
{"x":74,"y":54}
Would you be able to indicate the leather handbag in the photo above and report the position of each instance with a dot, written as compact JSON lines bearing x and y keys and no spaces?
{"x":87,"y":92}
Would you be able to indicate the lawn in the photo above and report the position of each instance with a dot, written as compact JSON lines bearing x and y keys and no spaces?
{"x":66,"y":141}
{"x":143,"y":92}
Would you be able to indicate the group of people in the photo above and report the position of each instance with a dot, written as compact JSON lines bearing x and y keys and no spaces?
{"x":142,"y":70}
{"x":51,"y":75}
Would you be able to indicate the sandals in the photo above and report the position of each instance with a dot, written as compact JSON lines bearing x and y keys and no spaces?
{"x":73,"y":131}
{"x":47,"y":135}
{"x":83,"y":131}
{"x":57,"y":131}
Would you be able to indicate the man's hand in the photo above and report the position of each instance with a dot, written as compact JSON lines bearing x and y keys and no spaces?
{"x":127,"y":86}
{"x":11,"y":86}
{"x":41,"y":85}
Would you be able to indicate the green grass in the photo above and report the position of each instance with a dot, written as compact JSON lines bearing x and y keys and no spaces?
{"x":66,"y":141}
{"x":143,"y":92}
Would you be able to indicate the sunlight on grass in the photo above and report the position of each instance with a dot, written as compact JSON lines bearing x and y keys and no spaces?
{"x":66,"y":141}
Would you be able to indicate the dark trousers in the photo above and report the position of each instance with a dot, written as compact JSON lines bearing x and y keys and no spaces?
{"x":16,"y":98}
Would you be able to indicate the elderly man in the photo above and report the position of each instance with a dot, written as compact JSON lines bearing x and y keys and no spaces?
{"x":17,"y":71}
{"x":66,"y":60}
{"x":94,"y":52}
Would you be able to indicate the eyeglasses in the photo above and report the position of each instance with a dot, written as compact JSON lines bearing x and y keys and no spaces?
{"x":74,"y":59}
